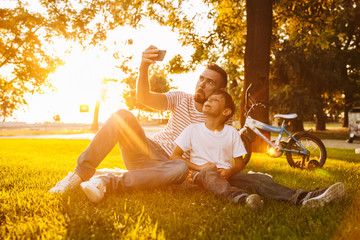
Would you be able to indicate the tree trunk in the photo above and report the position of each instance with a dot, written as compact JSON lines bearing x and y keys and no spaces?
{"x":95,"y":123}
{"x":257,"y":57}
{"x":320,"y":120}
{"x":297,"y":125}
{"x":346,"y":117}
{"x":348,"y":105}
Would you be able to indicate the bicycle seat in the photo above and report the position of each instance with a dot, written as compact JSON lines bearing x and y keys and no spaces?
{"x":286,"y":116}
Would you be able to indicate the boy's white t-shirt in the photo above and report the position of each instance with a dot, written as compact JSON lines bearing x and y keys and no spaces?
{"x":208,"y":146}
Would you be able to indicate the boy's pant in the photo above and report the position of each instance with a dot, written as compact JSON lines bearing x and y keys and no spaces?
{"x":148,"y":164}
{"x":262,"y":184}
{"x":210,"y":179}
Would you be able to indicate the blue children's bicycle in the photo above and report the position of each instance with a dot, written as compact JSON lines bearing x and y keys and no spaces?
{"x":302,"y":149}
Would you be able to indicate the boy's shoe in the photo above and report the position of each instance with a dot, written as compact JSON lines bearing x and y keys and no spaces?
{"x":333,"y":192}
{"x":94,"y":189}
{"x":252,"y":201}
{"x":72,"y":180}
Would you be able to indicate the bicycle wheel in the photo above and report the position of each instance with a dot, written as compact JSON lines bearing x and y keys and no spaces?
{"x":315,"y":146}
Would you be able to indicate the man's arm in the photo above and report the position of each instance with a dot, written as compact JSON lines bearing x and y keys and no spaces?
{"x":238,"y":166}
{"x":143,"y":94}
{"x":177,"y":154}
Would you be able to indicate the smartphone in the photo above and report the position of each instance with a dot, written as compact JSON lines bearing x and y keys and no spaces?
{"x":161,"y":55}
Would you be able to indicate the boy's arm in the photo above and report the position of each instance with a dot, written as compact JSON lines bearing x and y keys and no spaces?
{"x":238,"y":166}
{"x":177,"y":154}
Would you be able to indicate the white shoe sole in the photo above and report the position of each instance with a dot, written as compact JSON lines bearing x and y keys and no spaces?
{"x":335,"y":191}
{"x":91,"y":192}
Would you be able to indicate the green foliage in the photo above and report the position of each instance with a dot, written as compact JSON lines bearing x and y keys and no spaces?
{"x":177,"y":65}
{"x":11,"y":98}
{"x":317,"y":48}
{"x":89,"y":21}
{"x":25,"y":60}
{"x":285,"y":97}
{"x":216,"y":33}
{"x":158,"y":80}
{"x":315,"y":43}
{"x":130,"y":94}
{"x":28,"y":211}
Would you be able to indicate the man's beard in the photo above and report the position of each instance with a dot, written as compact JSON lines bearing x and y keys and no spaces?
{"x":198,"y":98}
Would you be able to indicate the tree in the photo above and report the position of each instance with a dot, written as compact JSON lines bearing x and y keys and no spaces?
{"x":56,"y":118}
{"x":324,"y":33}
{"x":26,"y":36}
{"x":222,"y":40}
{"x":299,"y":81}
{"x":257,"y":57}
{"x":159,"y":82}
{"x":25,"y":63}
{"x":326,"y":36}
{"x":95,"y":124}
{"x":234,"y":35}
{"x":347,"y":46}
{"x":11,"y":98}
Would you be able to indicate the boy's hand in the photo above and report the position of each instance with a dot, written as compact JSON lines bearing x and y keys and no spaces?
{"x":208,"y":164}
{"x":225,"y":173}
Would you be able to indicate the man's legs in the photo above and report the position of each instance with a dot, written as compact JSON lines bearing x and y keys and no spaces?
{"x":265,"y":186}
{"x":123,"y":128}
{"x":211,"y":180}
{"x":161,"y":174}
{"x":137,"y":150}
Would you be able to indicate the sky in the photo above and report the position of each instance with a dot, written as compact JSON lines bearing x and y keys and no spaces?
{"x":77,"y":82}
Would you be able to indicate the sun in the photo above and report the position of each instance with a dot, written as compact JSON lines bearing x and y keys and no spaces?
{"x":78,"y":81}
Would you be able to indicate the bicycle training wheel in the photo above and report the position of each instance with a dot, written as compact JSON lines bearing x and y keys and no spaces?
{"x":314,"y":145}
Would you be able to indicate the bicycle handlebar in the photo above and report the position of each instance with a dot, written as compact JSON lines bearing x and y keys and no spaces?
{"x":253,"y":103}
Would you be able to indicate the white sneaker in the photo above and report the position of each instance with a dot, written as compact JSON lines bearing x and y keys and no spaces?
{"x":335,"y":191}
{"x":94,"y":189}
{"x":72,"y":180}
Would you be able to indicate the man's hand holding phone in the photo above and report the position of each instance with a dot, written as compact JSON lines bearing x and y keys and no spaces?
{"x":152,"y":54}
{"x":160,"y":56}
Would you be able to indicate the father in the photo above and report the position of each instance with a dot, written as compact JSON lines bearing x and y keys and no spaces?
{"x":147,"y":159}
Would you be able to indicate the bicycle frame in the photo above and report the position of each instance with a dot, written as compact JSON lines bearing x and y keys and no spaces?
{"x":255,"y":125}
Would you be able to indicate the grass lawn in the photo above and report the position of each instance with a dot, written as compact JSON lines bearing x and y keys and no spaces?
{"x":29,"y":168}
{"x":27,"y":131}
{"x":335,"y":133}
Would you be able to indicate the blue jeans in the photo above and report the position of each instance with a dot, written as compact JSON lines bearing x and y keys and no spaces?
{"x":211,"y":180}
{"x":265,"y":185}
{"x":148,"y":164}
{"x":262,"y":184}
